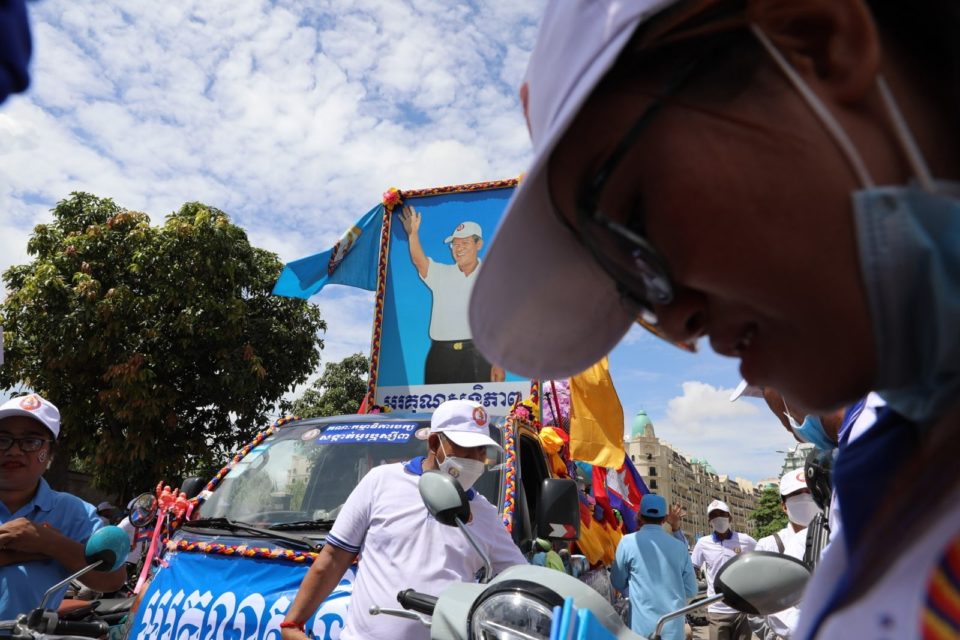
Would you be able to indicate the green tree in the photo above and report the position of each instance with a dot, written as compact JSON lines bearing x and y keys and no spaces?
{"x":339,"y":389}
{"x":769,"y":517}
{"x":162,"y":346}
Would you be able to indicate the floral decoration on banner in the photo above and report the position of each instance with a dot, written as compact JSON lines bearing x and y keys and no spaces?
{"x":391,"y":198}
{"x":510,"y":489}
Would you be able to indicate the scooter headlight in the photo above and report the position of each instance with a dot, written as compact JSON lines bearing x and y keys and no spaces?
{"x":514,"y":610}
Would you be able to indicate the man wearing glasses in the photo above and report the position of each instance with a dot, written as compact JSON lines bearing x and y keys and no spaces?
{"x":42,"y":531}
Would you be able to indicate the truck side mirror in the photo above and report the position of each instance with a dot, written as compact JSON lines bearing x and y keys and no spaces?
{"x":558,"y":511}
{"x":143,"y":510}
{"x":192,"y":486}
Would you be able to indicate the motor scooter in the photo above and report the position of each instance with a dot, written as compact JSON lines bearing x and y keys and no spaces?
{"x":520,"y":602}
{"x":104,"y":551}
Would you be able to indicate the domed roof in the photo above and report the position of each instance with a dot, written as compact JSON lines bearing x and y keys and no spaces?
{"x":642,"y":426}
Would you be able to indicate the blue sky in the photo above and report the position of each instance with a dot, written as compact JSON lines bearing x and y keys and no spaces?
{"x":294,"y":116}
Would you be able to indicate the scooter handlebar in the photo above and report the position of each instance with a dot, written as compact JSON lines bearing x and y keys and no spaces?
{"x":420,"y":602}
{"x":85,"y":629}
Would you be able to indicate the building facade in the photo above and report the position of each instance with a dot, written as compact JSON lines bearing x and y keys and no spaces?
{"x":693,"y":483}
{"x":796,"y":457}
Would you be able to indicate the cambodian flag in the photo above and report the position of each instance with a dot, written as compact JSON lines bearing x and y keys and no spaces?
{"x":352,"y":261}
{"x":622,"y":488}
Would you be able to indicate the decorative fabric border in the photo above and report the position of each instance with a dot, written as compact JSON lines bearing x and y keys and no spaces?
{"x":510,"y":488}
{"x":393,"y":198}
{"x":244,"y":551}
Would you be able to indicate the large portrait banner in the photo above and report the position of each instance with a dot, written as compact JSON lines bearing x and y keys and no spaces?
{"x":426,"y":351}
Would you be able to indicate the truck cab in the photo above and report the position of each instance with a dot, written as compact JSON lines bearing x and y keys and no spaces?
{"x":233,"y":569}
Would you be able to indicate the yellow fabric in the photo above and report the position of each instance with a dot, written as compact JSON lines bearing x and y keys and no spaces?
{"x":552,"y":444}
{"x":596,"y":418}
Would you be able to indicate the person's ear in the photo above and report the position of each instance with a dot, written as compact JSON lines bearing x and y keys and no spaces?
{"x":433,"y":443}
{"x":479,"y":244}
{"x":834,"y":41}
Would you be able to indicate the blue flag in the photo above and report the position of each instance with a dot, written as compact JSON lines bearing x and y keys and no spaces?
{"x":352,"y":262}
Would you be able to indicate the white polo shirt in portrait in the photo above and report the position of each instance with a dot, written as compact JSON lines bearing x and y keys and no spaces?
{"x":401,"y":546}
{"x":710,"y":554}
{"x":451,"y":300}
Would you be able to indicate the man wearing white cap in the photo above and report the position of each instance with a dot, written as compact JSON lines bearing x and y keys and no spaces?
{"x":401,"y":546}
{"x":709,"y":555}
{"x":41,"y":531}
{"x":452,"y":356}
{"x":797,"y":502}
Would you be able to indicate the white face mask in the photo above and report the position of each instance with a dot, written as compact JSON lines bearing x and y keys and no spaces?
{"x":720,"y":525}
{"x":465,"y":470}
{"x":801,"y":509}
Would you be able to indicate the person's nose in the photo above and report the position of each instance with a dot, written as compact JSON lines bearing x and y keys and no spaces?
{"x":685,"y":318}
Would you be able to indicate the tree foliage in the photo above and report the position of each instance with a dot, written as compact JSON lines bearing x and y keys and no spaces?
{"x":339,"y":390}
{"x":162,"y":346}
{"x":769,"y":517}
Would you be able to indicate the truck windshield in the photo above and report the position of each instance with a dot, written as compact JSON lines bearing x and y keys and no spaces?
{"x":304,"y":472}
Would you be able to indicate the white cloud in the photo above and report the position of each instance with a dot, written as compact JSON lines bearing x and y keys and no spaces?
{"x":739,"y":438}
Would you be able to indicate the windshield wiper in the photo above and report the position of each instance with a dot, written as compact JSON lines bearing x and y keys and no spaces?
{"x":234,"y":525}
{"x":301,"y":525}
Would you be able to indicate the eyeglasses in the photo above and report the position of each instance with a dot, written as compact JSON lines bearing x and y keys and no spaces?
{"x":27,"y":445}
{"x":622,"y":250}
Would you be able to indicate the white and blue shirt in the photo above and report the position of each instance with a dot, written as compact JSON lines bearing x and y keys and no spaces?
{"x":402,"y":546}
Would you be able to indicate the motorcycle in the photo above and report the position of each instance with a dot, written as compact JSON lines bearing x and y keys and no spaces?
{"x":104,"y":551}
{"x":523,"y":601}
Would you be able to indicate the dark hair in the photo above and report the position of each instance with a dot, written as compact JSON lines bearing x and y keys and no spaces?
{"x":652,"y":520}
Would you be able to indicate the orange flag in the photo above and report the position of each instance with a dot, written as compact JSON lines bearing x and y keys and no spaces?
{"x":596,"y":418}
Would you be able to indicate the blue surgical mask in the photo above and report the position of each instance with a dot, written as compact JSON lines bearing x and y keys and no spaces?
{"x":811,"y":430}
{"x":908,"y":239}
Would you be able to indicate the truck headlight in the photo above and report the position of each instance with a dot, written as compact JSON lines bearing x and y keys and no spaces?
{"x":514,"y":610}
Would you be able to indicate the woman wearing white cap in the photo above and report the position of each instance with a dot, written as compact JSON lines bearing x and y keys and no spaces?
{"x":781,"y":176}
{"x":41,"y":530}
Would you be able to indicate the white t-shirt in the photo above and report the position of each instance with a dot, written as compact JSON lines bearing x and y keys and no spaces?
{"x":769,"y":543}
{"x":451,"y":300}
{"x":136,"y":548}
{"x":783,"y":623}
{"x":402,"y":547}
{"x":896,"y":606}
{"x":711,"y":554}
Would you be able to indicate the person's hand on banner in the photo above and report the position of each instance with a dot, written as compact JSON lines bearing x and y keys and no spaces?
{"x":410,"y":218}
{"x":497,"y":374}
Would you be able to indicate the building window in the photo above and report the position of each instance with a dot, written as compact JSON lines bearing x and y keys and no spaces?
{"x":634,"y":458}
{"x":653,"y":471}
{"x":653,"y":484}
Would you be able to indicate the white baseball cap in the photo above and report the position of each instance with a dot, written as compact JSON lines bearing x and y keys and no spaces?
{"x":745,"y":389}
{"x":465,"y":422}
{"x":717,"y":505}
{"x":792,"y":482}
{"x":465,"y":229}
{"x":36,"y":407}
{"x":578,"y":43}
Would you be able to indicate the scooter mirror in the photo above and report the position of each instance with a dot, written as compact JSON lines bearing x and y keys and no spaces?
{"x":143,"y":510}
{"x":444,"y":498}
{"x":109,"y":545}
{"x":761,"y":582}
